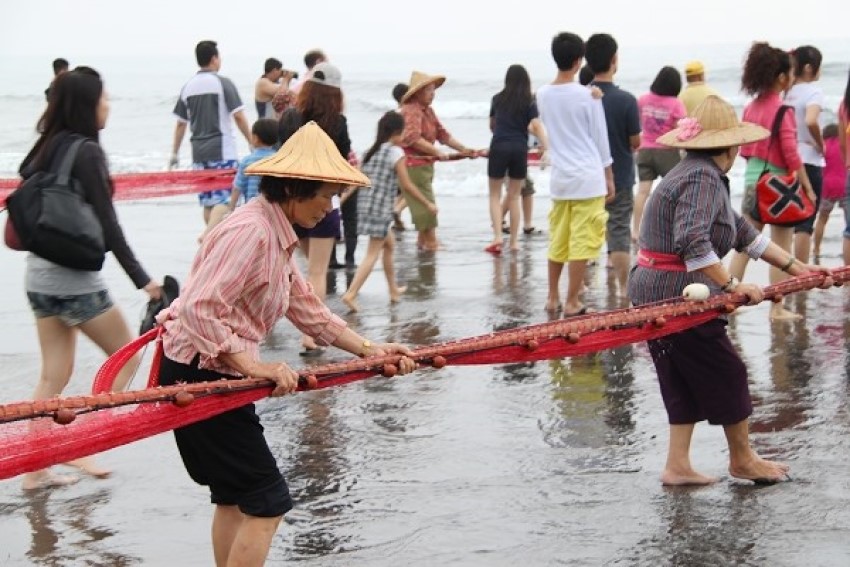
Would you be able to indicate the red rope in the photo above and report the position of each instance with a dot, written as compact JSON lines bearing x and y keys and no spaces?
{"x":84,"y":425}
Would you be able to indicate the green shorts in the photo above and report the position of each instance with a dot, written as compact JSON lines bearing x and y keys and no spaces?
{"x":422,"y":176}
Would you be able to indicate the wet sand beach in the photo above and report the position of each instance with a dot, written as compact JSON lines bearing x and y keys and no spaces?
{"x":550,"y":463}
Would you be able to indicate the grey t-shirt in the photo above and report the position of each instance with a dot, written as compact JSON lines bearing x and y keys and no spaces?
{"x":43,"y":276}
{"x":207,"y":102}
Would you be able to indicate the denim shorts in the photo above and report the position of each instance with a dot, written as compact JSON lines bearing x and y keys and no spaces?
{"x":72,"y":310}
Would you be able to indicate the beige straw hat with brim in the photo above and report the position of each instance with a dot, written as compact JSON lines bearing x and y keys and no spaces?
{"x":418,"y":81}
{"x":713,"y":124}
{"x":310,"y":154}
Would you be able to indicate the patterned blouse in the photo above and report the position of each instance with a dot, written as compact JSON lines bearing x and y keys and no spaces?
{"x":420,"y":122}
{"x":375,"y":205}
{"x":690,"y":215}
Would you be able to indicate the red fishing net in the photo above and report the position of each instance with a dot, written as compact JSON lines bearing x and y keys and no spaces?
{"x":130,"y":186}
{"x":37,"y":434}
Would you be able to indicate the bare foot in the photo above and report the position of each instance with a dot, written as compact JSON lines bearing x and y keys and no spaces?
{"x":759,"y":470}
{"x":88,"y":466}
{"x":552,"y":306}
{"x":348,"y":299}
{"x":395,"y":295}
{"x":779,"y":313}
{"x":686,"y":478}
{"x":46,"y":479}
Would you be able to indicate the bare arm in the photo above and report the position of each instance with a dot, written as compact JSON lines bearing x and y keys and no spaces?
{"x":179,"y":132}
{"x":609,"y":183}
{"x":537,"y":128}
{"x":454,"y":144}
{"x":242,"y":124}
{"x":266,"y":89}
{"x":634,"y":142}
{"x":424,"y":147}
{"x":812,"y":113}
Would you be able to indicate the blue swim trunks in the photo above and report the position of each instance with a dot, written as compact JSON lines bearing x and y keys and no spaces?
{"x":216,"y":196}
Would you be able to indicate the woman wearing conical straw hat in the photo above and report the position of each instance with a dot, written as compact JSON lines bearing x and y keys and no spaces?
{"x":243,"y":280}
{"x":422,"y":129}
{"x":688,"y":226}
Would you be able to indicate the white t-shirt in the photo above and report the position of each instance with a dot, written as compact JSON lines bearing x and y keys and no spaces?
{"x":800,"y":97}
{"x":578,"y":141}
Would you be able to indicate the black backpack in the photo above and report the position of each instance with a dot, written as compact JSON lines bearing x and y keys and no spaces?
{"x":52,"y":219}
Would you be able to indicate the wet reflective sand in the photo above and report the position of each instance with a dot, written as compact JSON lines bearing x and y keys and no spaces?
{"x":552,"y":463}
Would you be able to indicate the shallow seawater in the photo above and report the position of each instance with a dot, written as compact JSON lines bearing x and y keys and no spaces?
{"x":547,"y":463}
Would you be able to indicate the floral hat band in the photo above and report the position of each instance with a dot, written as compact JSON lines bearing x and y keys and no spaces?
{"x":713,"y":124}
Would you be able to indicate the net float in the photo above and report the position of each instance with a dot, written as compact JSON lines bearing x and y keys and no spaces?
{"x":64,"y":416}
{"x":183,"y":399}
{"x":389,"y":370}
{"x":696,"y":292}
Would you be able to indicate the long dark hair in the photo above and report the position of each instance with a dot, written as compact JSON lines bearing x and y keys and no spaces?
{"x":389,"y":125}
{"x":516,"y":97}
{"x":72,"y":107}
{"x":320,"y":103}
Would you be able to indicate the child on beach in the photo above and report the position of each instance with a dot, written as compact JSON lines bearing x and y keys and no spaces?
{"x":385,"y":165}
{"x":834,"y":183}
{"x":263,"y":139}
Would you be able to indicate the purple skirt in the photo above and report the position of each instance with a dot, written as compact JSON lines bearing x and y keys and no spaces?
{"x":701,"y":375}
{"x":328,"y":227}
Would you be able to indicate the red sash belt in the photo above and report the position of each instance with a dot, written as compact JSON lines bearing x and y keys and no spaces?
{"x":661,"y":261}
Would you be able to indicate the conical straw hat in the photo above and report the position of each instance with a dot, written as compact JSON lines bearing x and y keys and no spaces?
{"x":420,"y":80}
{"x":713,"y":124}
{"x":310,"y":154}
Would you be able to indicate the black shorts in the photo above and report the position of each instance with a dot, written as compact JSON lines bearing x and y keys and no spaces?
{"x":815,"y":174}
{"x":507,"y":158}
{"x":328,"y":227}
{"x":228,"y":452}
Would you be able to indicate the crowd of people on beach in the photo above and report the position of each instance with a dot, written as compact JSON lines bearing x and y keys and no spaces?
{"x":303,"y":188}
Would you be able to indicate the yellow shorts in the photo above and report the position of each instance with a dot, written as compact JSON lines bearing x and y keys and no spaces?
{"x":577,"y":229}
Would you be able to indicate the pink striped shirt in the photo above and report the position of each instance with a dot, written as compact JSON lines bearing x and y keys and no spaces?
{"x":243,"y":280}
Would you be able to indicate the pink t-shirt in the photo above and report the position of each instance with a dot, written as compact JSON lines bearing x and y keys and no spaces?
{"x":834,"y":172}
{"x":844,"y":130}
{"x":783,"y":151}
{"x":658,"y":115}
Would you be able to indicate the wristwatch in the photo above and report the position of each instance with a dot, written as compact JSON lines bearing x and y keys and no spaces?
{"x":731,"y":284}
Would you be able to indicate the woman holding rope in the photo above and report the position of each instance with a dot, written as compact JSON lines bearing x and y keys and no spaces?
{"x":422,"y":129}
{"x":243,"y":279}
{"x":688,"y":226}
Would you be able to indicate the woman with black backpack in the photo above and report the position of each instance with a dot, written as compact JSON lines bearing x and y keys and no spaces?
{"x":66,"y":300}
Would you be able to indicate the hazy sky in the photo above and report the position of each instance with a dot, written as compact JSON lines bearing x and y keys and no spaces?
{"x":83,"y":28}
